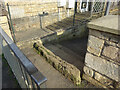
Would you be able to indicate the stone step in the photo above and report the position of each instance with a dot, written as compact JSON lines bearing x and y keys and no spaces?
{"x":66,"y":54}
{"x":51,"y":27}
{"x":61,"y":24}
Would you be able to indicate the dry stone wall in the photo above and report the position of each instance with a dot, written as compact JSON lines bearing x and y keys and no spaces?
{"x":67,"y":69}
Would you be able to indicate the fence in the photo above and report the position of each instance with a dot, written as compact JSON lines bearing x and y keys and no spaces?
{"x":97,"y":6}
{"x":25,"y":72}
{"x":114,"y":7}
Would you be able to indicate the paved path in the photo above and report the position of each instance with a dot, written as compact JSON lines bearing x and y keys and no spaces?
{"x":55,"y":79}
{"x":8,"y":79}
{"x":72,"y":51}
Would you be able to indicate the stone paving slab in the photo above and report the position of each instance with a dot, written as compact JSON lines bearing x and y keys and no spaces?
{"x":106,"y":24}
{"x":29,"y":35}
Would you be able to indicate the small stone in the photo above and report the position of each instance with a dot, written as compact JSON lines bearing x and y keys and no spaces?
{"x":98,"y":34}
{"x":118,"y":85}
{"x":104,"y":80}
{"x":110,"y":52}
{"x":114,"y":38}
{"x":111,"y":43}
{"x":88,"y":71}
{"x":95,"y":33}
{"x":118,"y":44}
{"x":103,"y":66}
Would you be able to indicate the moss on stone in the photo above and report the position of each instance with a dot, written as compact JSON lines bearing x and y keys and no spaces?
{"x":55,"y":66}
{"x":58,"y":65}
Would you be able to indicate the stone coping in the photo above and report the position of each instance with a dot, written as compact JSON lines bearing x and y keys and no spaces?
{"x":109,"y":24}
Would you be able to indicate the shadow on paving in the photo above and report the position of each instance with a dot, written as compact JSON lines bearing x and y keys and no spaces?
{"x":8,"y":78}
{"x":72,"y":50}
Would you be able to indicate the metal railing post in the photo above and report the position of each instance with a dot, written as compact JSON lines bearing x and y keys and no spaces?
{"x":1,"y":42}
{"x":92,"y":5}
{"x":11,"y":24}
{"x":24,"y":70}
{"x":0,"y":62}
{"x":107,"y":7}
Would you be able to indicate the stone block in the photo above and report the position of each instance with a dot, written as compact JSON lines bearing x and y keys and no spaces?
{"x":104,"y":35}
{"x":97,"y":34}
{"x":103,"y":66}
{"x":118,"y":85}
{"x":95,"y":45}
{"x":17,"y":12}
{"x":106,"y":24}
{"x":88,"y":71}
{"x":118,"y":44}
{"x":62,"y":66}
{"x":111,"y":43}
{"x":114,"y":38}
{"x":104,"y":80}
{"x":3,"y":19}
{"x":112,"y":52}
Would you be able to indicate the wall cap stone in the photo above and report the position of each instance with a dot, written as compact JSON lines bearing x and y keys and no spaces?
{"x":109,"y":24}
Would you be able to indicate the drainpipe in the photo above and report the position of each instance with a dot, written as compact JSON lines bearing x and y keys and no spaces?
{"x":107,"y":8}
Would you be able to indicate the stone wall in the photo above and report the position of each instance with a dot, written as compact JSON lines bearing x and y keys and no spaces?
{"x":102,"y":61}
{"x":67,"y":69}
{"x":64,"y":34}
{"x":25,"y":15}
{"x":5,"y":26}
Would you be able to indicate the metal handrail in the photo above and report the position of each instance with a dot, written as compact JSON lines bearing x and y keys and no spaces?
{"x":37,"y":76}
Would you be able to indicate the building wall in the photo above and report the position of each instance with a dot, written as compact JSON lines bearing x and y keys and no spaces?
{"x":25,"y":15}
